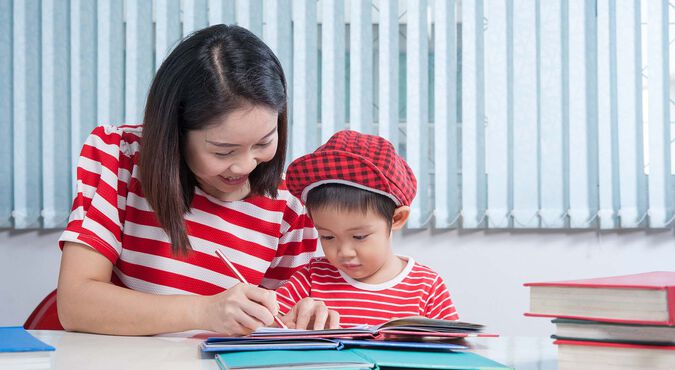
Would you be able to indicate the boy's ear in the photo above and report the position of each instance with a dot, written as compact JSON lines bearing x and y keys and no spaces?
{"x":401,"y":215}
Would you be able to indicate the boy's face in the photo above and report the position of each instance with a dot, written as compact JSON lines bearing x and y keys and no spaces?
{"x":357,"y":243}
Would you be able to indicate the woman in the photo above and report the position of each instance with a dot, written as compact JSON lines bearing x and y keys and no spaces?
{"x":203,"y":173}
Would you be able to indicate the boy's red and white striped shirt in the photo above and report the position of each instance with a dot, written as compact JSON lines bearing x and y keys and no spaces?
{"x":267,"y":239}
{"x":416,"y":291}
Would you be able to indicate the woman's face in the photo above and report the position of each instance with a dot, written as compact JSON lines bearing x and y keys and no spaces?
{"x":223,"y":155}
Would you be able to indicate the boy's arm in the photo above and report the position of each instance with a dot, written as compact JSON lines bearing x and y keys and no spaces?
{"x":439,"y":304}
{"x":295,"y":289}
{"x":298,"y":308}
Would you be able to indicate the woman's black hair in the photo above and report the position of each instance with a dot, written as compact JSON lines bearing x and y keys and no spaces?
{"x":209,"y":74}
{"x":350,"y":198}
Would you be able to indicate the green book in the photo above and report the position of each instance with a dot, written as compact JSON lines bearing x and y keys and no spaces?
{"x":355,"y":359}
{"x":445,"y":360}
{"x":285,"y":359}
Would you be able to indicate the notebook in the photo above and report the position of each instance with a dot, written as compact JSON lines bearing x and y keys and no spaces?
{"x":21,"y":350}
{"x":412,"y":328}
{"x":273,"y":360}
{"x":428,"y":360}
{"x":236,"y":344}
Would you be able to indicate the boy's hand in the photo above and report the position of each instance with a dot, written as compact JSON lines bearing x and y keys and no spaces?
{"x":311,"y":314}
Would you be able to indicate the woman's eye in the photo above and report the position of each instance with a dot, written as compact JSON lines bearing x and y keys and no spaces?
{"x":360,"y":237}
{"x":326,"y":237}
{"x":264,"y":145}
{"x":223,"y":154}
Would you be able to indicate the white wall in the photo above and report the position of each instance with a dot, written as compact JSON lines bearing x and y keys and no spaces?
{"x":483,"y":270}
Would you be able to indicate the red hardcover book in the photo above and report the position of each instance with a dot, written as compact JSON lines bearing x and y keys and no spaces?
{"x":647,"y":298}
{"x":574,"y":355}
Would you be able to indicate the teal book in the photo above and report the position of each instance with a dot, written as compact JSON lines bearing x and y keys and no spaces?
{"x":385,"y":359}
{"x":355,"y":359}
{"x":307,"y":360}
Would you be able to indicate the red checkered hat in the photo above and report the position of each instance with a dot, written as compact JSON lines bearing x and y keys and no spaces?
{"x":349,"y":157}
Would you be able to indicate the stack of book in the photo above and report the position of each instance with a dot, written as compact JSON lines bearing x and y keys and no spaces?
{"x":412,"y":343}
{"x":21,"y":350}
{"x":613,"y":323}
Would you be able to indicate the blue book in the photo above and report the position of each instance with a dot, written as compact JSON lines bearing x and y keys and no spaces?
{"x":21,"y":350}
{"x":400,"y":345}
{"x":232,"y":344}
{"x":17,"y":339}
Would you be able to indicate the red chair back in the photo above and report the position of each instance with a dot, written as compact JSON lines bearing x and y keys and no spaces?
{"x":45,"y":316}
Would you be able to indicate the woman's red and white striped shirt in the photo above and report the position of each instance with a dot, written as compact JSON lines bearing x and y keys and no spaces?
{"x":416,"y":291}
{"x":267,"y":239}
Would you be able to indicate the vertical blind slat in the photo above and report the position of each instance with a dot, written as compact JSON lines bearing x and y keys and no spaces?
{"x":446,"y":155}
{"x":552,"y":208}
{"x":278,"y":34}
{"x":56,"y":192}
{"x":221,"y":12}
{"x":332,"y":68}
{"x":361,"y":67}
{"x":304,"y":130}
{"x":629,"y":94}
{"x":608,"y":203}
{"x":498,"y":70}
{"x":6,"y":104}
{"x":582,"y":127}
{"x":194,"y":15}
{"x":473,"y":117}
{"x":417,"y":125}
{"x":110,"y":75}
{"x":168,"y":28}
{"x":27,"y":135}
{"x":139,"y":66}
{"x":388,"y":72}
{"x":249,"y":14}
{"x":525,"y":116}
{"x":82,"y":76}
{"x":660,"y":184}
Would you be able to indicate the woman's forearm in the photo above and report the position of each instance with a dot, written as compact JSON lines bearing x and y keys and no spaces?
{"x":88,"y":301}
{"x":98,"y":307}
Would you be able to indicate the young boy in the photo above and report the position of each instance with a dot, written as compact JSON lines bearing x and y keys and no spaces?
{"x":357,"y":191}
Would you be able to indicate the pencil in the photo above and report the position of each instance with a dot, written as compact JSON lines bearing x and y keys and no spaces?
{"x":243,"y":280}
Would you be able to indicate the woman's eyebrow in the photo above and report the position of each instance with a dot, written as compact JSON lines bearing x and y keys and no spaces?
{"x":228,"y":145}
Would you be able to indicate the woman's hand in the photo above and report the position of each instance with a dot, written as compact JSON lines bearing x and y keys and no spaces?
{"x":240,"y":310}
{"x":311,"y":314}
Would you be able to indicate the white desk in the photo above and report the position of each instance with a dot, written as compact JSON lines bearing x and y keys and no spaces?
{"x":76,"y":351}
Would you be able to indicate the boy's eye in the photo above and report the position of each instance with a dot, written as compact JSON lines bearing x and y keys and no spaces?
{"x":360,"y":237}
{"x":223,"y":154}
{"x":326,"y":237}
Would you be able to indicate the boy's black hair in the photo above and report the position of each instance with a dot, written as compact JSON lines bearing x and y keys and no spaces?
{"x":350,"y":198}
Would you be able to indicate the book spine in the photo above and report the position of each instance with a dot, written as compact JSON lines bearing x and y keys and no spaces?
{"x":670,"y":302}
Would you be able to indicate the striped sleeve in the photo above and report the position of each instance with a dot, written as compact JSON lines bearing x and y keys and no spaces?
{"x":297,"y":244}
{"x":438,"y":304}
{"x":295,"y":289}
{"x":96,"y":217}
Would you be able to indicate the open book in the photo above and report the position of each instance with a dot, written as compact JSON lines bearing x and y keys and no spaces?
{"x":413,"y":328}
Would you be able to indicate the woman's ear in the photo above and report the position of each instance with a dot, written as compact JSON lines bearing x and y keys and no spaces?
{"x":400,"y":217}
